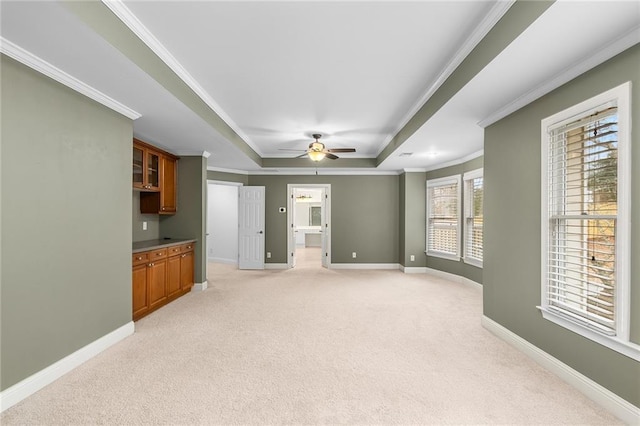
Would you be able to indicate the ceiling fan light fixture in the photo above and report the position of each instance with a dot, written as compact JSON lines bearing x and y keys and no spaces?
{"x":316,"y":155}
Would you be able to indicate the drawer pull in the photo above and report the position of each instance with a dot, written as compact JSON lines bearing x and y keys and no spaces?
{"x":159,"y":254}
{"x":188,"y":247}
{"x":140,"y":258}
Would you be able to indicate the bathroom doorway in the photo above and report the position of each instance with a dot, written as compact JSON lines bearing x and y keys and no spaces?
{"x":309,"y":225}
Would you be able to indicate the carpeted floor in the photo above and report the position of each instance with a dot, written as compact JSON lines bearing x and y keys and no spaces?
{"x":312,"y":346}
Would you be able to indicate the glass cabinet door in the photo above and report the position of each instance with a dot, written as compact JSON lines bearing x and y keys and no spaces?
{"x":138,"y":167}
{"x":153,"y":170}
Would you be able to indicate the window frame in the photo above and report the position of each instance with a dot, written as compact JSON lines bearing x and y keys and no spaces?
{"x":444,"y":181}
{"x":620,"y":96}
{"x":468,"y":178}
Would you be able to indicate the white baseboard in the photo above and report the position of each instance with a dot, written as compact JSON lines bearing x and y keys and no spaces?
{"x":276,"y":266}
{"x":223,"y":260}
{"x":27,"y":387}
{"x":453,"y":277}
{"x":200,"y":286}
{"x":364,"y":266}
{"x":619,"y":407}
{"x":414,"y":269}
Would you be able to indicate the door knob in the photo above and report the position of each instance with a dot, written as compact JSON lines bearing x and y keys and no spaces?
{"x":259,"y":232}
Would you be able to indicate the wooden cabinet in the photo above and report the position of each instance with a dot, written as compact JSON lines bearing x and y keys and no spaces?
{"x":155,"y":174}
{"x":160,"y":276}
{"x":187,"y":269}
{"x":168,"y":194}
{"x":146,"y":167}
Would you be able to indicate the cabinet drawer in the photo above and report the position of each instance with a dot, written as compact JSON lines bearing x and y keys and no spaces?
{"x":174,"y":250}
{"x":187,"y":247}
{"x":139,"y":258}
{"x":158,"y":254}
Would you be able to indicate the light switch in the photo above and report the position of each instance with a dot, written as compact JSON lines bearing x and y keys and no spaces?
{"x":413,"y":258}
{"x":144,"y":226}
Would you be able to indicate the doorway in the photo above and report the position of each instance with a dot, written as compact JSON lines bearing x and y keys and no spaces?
{"x":309,"y":225}
{"x":222,"y":222}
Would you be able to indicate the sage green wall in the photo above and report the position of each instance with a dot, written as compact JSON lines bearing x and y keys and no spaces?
{"x":364,"y":216}
{"x":66,"y":224}
{"x":415,"y":217}
{"x":153,"y":222}
{"x":190,"y":221}
{"x":228,"y":177}
{"x":413,"y":212}
{"x":512,"y":243}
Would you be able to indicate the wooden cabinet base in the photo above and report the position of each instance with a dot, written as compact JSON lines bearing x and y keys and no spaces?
{"x":161,"y":276}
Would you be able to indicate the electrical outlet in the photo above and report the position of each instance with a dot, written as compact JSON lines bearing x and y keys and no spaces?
{"x":353,"y":255}
{"x":268,"y":255}
{"x":413,"y":258}
{"x":144,"y":226}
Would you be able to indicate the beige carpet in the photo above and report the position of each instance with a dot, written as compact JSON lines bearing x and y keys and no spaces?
{"x":312,"y":346}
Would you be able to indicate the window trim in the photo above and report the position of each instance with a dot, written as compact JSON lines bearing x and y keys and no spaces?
{"x":468,"y":204}
{"x":440,"y":182}
{"x":619,"y":95}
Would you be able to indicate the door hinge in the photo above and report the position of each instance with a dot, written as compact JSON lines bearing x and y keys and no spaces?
{"x":326,"y":254}
{"x":291,"y":254}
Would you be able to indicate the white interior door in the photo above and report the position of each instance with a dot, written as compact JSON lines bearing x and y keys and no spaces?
{"x":251,"y":227}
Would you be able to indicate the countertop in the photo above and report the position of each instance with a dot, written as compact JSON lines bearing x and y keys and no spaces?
{"x":154,"y":244}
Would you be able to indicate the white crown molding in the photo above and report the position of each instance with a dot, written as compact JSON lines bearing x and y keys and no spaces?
{"x":325,"y":172}
{"x":618,"y":406}
{"x":593,"y":60}
{"x":456,"y":162}
{"x":27,"y":387}
{"x":482,"y":29}
{"x":205,"y":154}
{"x":34,"y":62}
{"x":137,"y":27}
{"x":223,"y":170}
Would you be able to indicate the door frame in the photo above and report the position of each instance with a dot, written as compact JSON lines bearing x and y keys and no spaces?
{"x":326,"y":229}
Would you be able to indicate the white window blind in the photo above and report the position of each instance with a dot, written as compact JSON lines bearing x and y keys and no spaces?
{"x":586,"y":219}
{"x":443,"y":207}
{"x":474,"y":195}
{"x":583,"y":217}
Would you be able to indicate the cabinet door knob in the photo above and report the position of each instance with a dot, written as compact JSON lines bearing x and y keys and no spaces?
{"x":163,"y":208}
{"x":151,"y":264}
{"x":184,"y":255}
{"x":140,"y":258}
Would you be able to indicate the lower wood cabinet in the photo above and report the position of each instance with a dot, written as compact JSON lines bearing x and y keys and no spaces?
{"x":160,"y":276}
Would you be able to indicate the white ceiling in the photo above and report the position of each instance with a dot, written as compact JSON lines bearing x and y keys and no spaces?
{"x":356,"y":72}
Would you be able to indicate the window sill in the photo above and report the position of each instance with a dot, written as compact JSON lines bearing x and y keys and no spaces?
{"x":623,"y":347}
{"x":443,"y":255}
{"x":472,"y":262}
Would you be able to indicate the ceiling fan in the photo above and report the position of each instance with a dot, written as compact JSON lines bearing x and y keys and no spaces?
{"x":317,"y":150}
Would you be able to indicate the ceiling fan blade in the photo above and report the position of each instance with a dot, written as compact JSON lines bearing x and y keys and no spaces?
{"x":331,"y":156}
{"x":342,"y":150}
{"x":291,"y":150}
{"x":302,"y":155}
